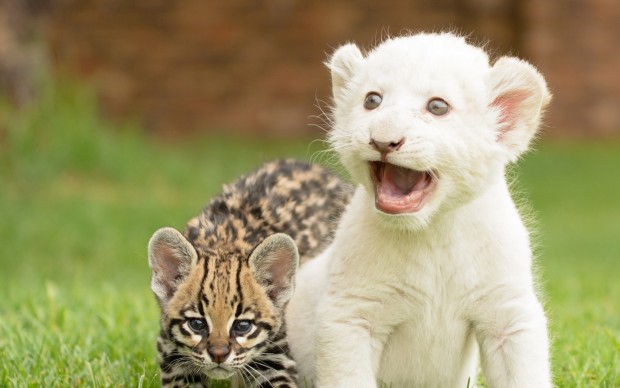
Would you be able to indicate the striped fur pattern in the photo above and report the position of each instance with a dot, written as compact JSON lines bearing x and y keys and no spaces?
{"x":224,"y":284}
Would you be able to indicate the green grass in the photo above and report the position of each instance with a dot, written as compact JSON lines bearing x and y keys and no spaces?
{"x":574,"y":188}
{"x":79,"y":200}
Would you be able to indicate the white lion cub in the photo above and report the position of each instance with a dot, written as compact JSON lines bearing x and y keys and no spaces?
{"x":431,"y":267}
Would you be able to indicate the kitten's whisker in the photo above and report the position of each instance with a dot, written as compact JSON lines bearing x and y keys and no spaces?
{"x":275,"y":344}
{"x":251,"y":371}
{"x":242,"y":374}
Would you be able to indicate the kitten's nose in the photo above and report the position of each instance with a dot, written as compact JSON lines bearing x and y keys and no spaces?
{"x":387,"y":146}
{"x":218,"y":353}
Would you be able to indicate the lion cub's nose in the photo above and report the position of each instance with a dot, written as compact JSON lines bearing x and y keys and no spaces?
{"x":387,"y":146}
{"x":218,"y":353}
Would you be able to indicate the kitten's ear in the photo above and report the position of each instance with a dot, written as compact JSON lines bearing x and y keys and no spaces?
{"x":171,"y":258}
{"x":520,"y":93}
{"x":342,"y":65}
{"x":274,"y":262}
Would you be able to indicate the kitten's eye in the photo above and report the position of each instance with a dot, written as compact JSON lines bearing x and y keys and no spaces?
{"x":242,"y":326}
{"x":196,"y":324}
{"x":372,"y":101}
{"x":438,"y":107}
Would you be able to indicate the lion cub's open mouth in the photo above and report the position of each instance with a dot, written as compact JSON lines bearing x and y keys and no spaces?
{"x":400,"y":190}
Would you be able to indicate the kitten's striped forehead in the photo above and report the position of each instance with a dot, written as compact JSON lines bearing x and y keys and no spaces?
{"x":222,"y":285}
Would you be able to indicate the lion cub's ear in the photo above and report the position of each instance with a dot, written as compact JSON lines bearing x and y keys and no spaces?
{"x":342,"y":65}
{"x":274,"y":263}
{"x":520,"y":93}
{"x":171,"y":257}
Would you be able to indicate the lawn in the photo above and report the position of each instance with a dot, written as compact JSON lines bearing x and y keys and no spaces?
{"x":79,"y":200}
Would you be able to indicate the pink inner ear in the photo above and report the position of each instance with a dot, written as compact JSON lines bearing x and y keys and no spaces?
{"x":168,"y":267}
{"x":280,"y":268}
{"x":508,"y":104}
{"x":280,"y":271}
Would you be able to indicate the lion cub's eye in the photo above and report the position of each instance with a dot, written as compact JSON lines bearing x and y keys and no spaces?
{"x":438,"y":107}
{"x":197,"y":325}
{"x":372,"y":101}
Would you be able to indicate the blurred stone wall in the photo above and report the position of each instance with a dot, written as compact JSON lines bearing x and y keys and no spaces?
{"x":576,"y":44}
{"x":256,"y":66}
{"x":235,"y":65}
{"x":22,"y":55}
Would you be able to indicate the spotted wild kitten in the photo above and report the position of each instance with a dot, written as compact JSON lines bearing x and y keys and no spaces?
{"x":223,"y":285}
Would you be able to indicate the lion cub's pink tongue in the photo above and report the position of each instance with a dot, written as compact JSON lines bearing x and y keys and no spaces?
{"x":397,"y":190}
{"x":400,"y":180}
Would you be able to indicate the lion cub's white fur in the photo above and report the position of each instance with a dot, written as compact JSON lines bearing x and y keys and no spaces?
{"x":417,"y":299}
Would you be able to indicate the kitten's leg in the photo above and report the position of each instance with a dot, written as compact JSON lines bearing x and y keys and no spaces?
{"x":514,"y":346}
{"x":272,"y":372}
{"x":183,"y":380}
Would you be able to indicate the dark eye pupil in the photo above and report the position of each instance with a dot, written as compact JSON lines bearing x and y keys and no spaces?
{"x":242,"y":326}
{"x":197,"y":324}
{"x":437,"y":107}
{"x":372,"y":101}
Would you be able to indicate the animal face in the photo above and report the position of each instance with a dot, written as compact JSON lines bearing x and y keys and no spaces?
{"x":221,"y":306}
{"x":220,"y":315}
{"x":424,"y":123}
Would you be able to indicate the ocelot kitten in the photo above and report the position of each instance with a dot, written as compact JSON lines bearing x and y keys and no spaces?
{"x":223,"y":285}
